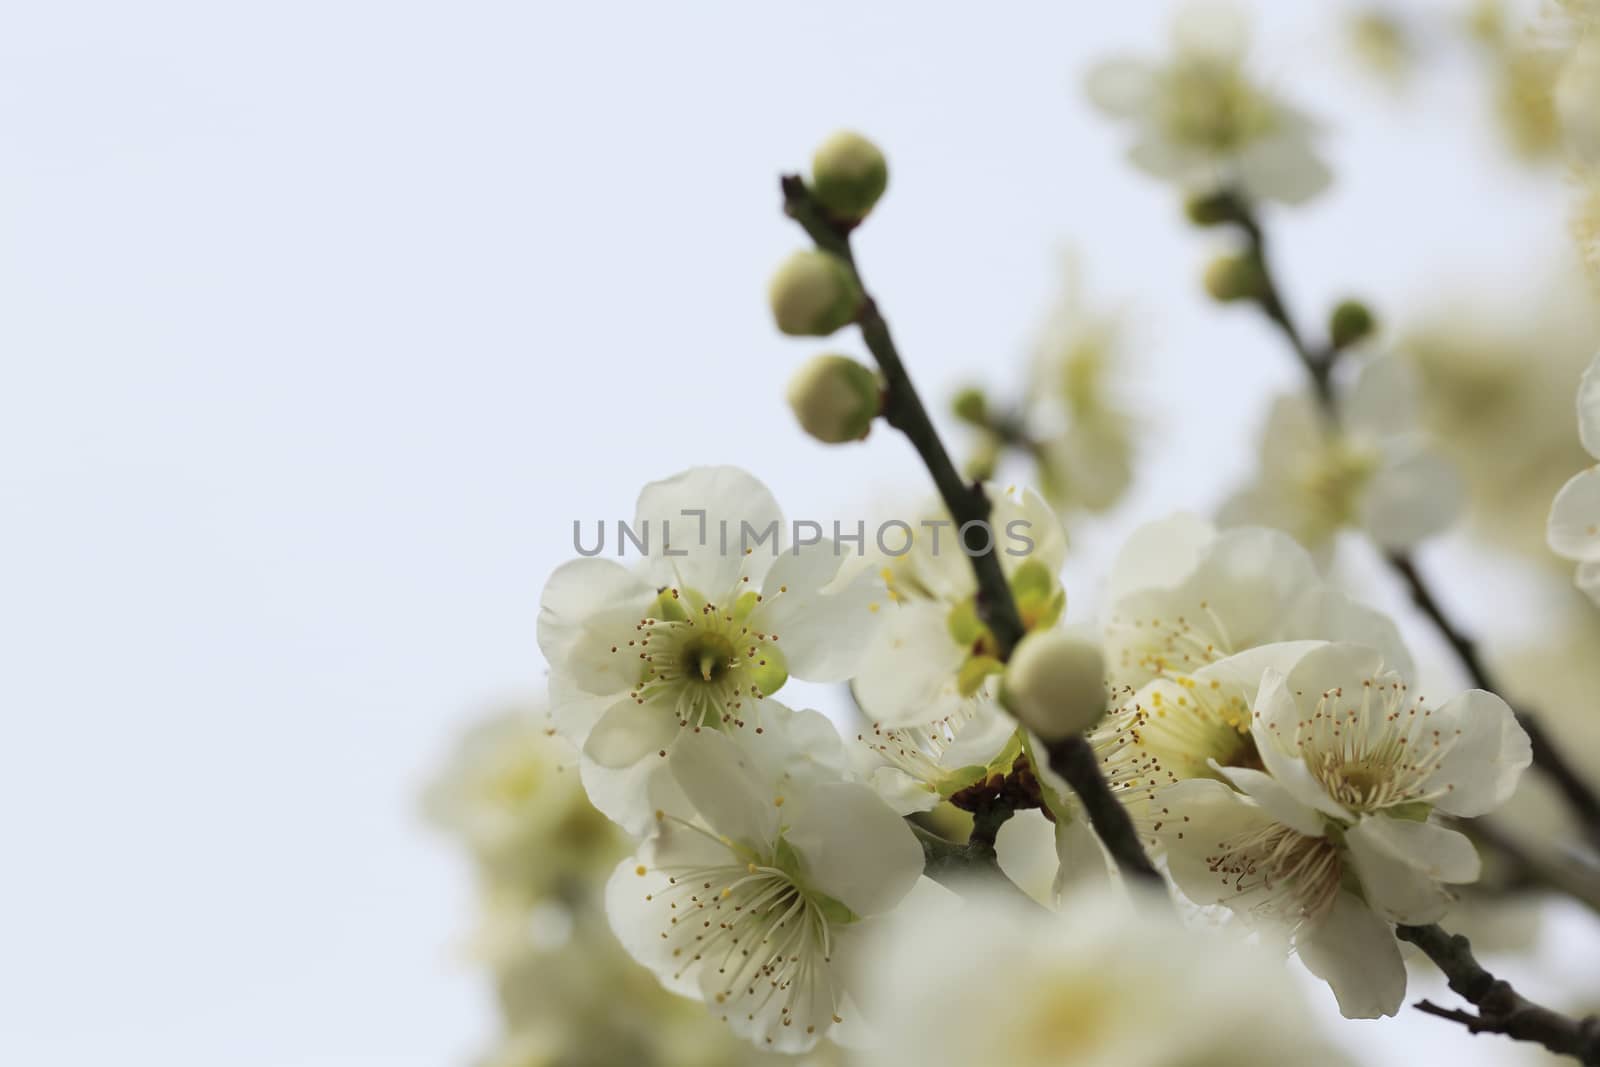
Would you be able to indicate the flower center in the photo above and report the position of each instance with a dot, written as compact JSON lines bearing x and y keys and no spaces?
{"x":768,"y":939}
{"x":1288,"y":876}
{"x":1380,"y":751}
{"x":710,"y":656}
{"x":1333,"y":482}
{"x":701,"y":662}
{"x":515,"y":783}
{"x":1211,"y":105}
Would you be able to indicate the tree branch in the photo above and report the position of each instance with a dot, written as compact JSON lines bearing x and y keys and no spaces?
{"x":903,"y":409}
{"x":1500,"y":1008}
{"x":1075,"y":760}
{"x":969,"y":507}
{"x":1549,"y":758}
{"x":1580,"y":796}
{"x":957,"y":866}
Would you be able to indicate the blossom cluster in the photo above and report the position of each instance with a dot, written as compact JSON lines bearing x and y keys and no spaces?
{"x":1262,"y":727}
{"x":821,"y":884}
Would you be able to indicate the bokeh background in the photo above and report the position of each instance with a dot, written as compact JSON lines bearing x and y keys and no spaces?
{"x":320,"y":323}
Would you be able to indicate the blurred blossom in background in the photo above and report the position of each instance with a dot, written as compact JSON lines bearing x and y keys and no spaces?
{"x":323,"y":322}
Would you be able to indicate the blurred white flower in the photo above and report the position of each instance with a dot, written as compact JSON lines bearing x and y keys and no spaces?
{"x":1383,"y":40}
{"x":561,"y":1003}
{"x":1574,"y":529}
{"x":1202,"y":122}
{"x":934,"y":658}
{"x":1495,"y":381}
{"x":1524,"y":67}
{"x":1102,"y":983}
{"x":1586,"y":220}
{"x":1184,"y":595}
{"x":1577,"y":101}
{"x":751,"y":890}
{"x":511,"y":793}
{"x":1329,"y":840}
{"x":1082,"y":435}
{"x":1374,"y":472}
{"x":692,"y":642}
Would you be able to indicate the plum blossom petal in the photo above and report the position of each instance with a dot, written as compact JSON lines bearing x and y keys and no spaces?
{"x":1354,"y":951}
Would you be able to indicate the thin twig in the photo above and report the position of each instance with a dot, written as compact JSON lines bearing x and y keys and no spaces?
{"x":1500,"y":1008}
{"x":959,"y":866}
{"x":969,"y":507}
{"x":1075,"y":760}
{"x":1547,"y":756}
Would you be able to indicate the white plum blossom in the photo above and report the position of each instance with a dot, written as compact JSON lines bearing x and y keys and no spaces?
{"x":1574,"y":527}
{"x":1106,"y":982}
{"x":1183,"y":595}
{"x":1329,"y":837}
{"x":934,"y":659}
{"x":1202,"y":122}
{"x":699,"y":636}
{"x":1375,"y":471}
{"x":756,"y":883}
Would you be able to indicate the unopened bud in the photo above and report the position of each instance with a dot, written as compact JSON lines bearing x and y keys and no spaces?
{"x":1235,"y":277}
{"x":848,"y":175}
{"x":971,"y":406}
{"x":1055,"y":684}
{"x":985,"y":458}
{"x":1212,"y":209}
{"x":835,"y":398}
{"x":1350,"y":323}
{"x":813,"y":294}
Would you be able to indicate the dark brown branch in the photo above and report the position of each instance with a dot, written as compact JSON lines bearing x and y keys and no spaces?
{"x":1580,"y":796}
{"x":969,"y":507}
{"x":903,"y":409}
{"x":1549,"y":758}
{"x":1074,"y":759}
{"x":1500,"y":1008}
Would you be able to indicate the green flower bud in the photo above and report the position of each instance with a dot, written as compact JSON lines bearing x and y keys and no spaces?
{"x":1235,"y":277}
{"x":1055,"y":684}
{"x":1212,"y":209}
{"x":971,"y":405}
{"x":835,"y":398}
{"x":848,"y":175}
{"x":980,"y":467}
{"x":1351,"y":322}
{"x":813,"y":294}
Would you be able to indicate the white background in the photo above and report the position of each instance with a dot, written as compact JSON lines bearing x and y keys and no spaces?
{"x":321,"y":322}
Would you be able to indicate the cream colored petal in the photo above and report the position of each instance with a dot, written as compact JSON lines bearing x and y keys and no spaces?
{"x":1394,"y":861}
{"x":823,"y":635}
{"x":1574,"y":527}
{"x":1354,"y":951}
{"x":1589,"y":402}
{"x":705,"y":552}
{"x":1122,"y":87}
{"x":1486,"y":751}
{"x":852,"y":846}
{"x":1412,"y":497}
